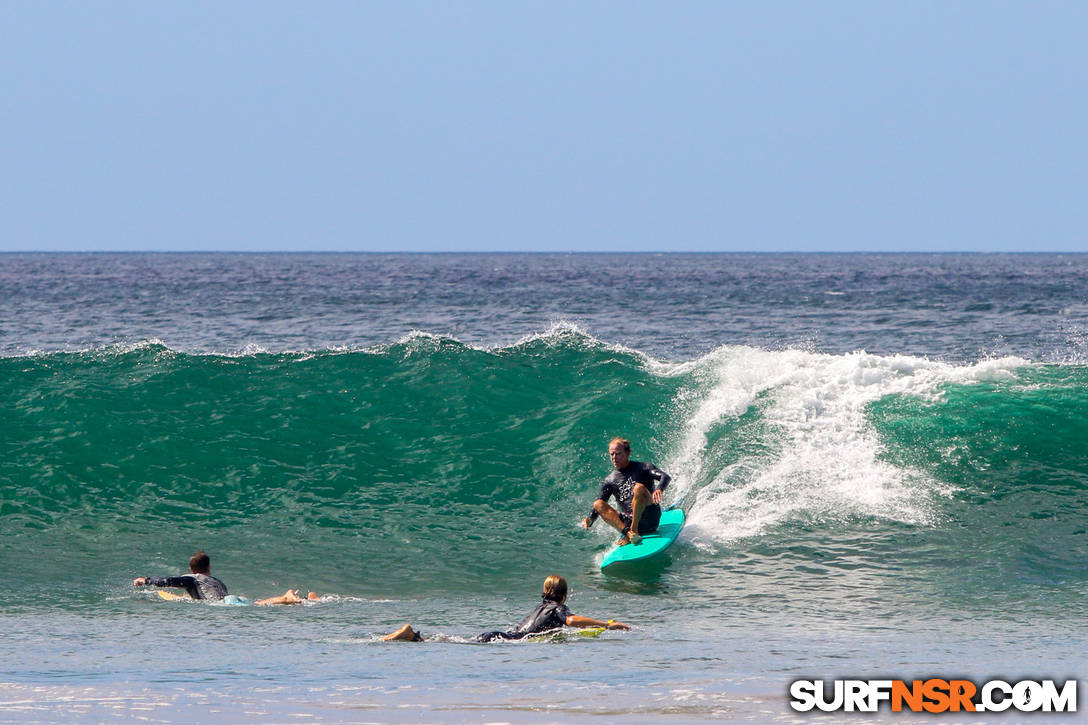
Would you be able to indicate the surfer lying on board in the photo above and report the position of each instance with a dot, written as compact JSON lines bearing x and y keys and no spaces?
{"x":550,"y":614}
{"x":200,"y":584}
{"x":638,"y":488}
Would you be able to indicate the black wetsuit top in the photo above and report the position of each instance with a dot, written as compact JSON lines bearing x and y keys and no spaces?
{"x":547,"y":616}
{"x":621,"y":484}
{"x":199,"y":586}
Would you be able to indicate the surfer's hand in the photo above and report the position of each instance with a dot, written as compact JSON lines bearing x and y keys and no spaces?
{"x":139,"y":581}
{"x":618,"y":625}
{"x":586,"y":523}
{"x":657,"y":496}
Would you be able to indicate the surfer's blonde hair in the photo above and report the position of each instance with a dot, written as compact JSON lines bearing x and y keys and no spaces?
{"x":622,"y":441}
{"x":555,"y":588}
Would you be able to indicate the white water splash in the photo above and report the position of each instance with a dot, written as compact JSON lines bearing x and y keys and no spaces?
{"x":822,"y":459}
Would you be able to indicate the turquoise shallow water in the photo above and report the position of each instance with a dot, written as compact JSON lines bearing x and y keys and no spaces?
{"x":902,"y":511}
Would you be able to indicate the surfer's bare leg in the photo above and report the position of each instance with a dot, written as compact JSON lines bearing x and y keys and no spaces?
{"x":639,"y":502}
{"x":288,"y":597}
{"x":405,"y":633}
{"x":611,"y":517}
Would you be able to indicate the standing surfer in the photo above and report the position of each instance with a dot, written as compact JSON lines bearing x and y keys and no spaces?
{"x":637,"y":487}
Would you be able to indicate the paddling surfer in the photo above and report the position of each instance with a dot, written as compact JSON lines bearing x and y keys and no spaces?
{"x":200,"y":584}
{"x":637,"y":488}
{"x":551,"y":614}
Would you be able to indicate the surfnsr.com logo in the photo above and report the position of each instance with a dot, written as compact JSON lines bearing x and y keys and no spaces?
{"x":934,"y":695}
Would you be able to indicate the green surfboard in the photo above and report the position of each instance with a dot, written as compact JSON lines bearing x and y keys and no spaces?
{"x":650,"y":546}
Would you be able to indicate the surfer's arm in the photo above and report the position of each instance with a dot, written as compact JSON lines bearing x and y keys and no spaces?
{"x":605,"y":494}
{"x":593,"y":514}
{"x":162,"y":581}
{"x":662,"y":482}
{"x":576,"y":621}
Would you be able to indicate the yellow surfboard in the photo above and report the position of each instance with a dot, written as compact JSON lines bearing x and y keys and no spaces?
{"x":562,"y":634}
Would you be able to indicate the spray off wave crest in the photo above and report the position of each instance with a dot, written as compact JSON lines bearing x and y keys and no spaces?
{"x":771,"y":437}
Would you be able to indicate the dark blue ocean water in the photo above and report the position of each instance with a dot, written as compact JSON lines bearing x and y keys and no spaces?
{"x":881,"y":456}
{"x":675,"y":307}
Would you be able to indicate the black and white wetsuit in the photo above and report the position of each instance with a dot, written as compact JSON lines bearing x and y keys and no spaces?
{"x":199,"y":586}
{"x":547,"y":616}
{"x":621,"y":485}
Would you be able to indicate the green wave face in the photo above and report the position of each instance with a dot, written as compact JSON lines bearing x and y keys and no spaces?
{"x":424,"y":456}
{"x":1013,"y":451}
{"x":431,"y":466}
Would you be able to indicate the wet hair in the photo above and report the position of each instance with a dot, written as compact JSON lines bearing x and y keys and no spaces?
{"x":622,"y":441}
{"x":555,"y":588}
{"x":200,"y":563}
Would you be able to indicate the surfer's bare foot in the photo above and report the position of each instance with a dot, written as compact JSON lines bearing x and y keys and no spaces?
{"x":405,"y":633}
{"x":623,"y":540}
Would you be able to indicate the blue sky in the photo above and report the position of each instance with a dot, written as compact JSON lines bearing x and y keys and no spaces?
{"x":544,"y":126}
